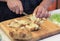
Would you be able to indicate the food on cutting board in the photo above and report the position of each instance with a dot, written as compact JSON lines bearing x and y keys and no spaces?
{"x":29,"y":28}
{"x":20,"y":34}
{"x":31,"y":23}
{"x":55,"y":18}
{"x":21,"y":29}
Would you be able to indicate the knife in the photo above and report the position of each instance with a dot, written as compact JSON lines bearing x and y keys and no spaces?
{"x":25,"y":13}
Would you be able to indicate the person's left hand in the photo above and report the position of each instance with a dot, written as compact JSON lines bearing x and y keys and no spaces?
{"x":41,"y":12}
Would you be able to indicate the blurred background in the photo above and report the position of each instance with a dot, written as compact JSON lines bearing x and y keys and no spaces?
{"x":55,"y":5}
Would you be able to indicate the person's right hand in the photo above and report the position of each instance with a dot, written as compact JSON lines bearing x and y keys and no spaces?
{"x":15,"y":6}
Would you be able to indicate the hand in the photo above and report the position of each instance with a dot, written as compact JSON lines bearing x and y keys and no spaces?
{"x":41,"y":12}
{"x":15,"y":6}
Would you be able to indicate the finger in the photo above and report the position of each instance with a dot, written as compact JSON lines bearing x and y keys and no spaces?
{"x":42,"y":14}
{"x":46,"y":15}
{"x":35,"y":12}
{"x":21,"y":11}
{"x":17,"y":10}
{"x":20,"y":8}
{"x":39,"y":13}
{"x":13,"y":9}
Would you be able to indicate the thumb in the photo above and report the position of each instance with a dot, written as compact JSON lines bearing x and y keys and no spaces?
{"x":35,"y":11}
{"x":21,"y":7}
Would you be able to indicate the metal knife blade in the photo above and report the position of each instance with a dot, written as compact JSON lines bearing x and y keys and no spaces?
{"x":25,"y":13}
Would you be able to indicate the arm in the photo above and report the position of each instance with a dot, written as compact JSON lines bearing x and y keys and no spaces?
{"x":14,"y":5}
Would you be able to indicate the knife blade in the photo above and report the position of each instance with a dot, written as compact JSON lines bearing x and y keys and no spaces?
{"x":25,"y":13}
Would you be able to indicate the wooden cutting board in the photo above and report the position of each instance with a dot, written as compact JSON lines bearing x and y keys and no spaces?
{"x":47,"y":29}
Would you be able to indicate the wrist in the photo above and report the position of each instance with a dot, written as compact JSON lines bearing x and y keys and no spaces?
{"x":45,"y":4}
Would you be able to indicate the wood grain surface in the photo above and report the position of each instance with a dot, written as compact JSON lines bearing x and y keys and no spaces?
{"x":47,"y":29}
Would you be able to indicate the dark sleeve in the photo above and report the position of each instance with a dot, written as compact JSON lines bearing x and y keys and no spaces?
{"x":5,"y":12}
{"x":30,"y":5}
